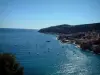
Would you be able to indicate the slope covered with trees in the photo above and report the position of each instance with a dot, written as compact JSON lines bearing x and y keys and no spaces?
{"x":67,"y":29}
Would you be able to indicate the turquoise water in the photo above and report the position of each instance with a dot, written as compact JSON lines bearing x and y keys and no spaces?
{"x":40,"y":57}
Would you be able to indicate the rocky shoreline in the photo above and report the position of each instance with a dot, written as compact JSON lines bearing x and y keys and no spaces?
{"x":84,"y":36}
{"x":84,"y":40}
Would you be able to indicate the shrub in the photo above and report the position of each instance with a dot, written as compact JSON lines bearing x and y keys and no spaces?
{"x":9,"y":66}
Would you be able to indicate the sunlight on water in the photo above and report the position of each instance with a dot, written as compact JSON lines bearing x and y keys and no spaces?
{"x":42,"y":54}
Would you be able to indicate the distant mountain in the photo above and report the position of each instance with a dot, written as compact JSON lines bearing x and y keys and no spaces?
{"x":67,"y":29}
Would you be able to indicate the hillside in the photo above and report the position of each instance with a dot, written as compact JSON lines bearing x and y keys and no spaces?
{"x":67,"y":29}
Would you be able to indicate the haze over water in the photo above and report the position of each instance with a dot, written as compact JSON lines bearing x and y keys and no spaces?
{"x":40,"y":57}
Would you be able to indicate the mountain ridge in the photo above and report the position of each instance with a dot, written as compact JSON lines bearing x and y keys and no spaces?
{"x":67,"y":29}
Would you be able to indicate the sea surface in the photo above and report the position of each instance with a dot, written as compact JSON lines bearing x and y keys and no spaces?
{"x":42,"y":54}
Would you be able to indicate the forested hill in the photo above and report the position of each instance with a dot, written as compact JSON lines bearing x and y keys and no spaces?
{"x":71,"y":28}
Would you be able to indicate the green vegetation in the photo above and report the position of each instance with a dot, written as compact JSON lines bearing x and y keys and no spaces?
{"x":85,"y":36}
{"x":69,"y":29}
{"x":9,"y":66}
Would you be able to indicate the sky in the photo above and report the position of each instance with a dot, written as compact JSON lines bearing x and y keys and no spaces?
{"x":36,"y":14}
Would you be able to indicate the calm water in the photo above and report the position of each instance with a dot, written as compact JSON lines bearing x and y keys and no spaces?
{"x":40,"y":57}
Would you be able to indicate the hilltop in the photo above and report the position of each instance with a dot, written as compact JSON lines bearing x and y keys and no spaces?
{"x":69,"y":29}
{"x":86,"y":36}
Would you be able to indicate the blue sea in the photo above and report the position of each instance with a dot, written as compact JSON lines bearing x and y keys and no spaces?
{"x":42,"y":54}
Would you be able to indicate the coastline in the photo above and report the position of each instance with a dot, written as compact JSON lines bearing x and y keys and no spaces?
{"x":84,"y":36}
{"x":89,"y":41}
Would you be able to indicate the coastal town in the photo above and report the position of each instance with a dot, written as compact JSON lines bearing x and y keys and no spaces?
{"x":85,"y":40}
{"x":84,"y":36}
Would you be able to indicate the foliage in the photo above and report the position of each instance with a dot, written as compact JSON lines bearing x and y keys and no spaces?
{"x":9,"y":66}
{"x":68,"y":29}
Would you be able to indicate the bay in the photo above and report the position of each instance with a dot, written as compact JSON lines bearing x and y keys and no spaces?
{"x":42,"y":54}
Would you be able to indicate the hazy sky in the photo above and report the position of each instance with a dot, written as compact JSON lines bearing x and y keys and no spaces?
{"x":35,"y":14}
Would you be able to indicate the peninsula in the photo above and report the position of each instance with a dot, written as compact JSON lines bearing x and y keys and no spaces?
{"x":85,"y":36}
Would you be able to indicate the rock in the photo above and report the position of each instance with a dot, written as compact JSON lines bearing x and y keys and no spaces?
{"x":86,"y":45}
{"x":96,"y":49}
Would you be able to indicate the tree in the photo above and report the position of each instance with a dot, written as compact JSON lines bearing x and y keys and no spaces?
{"x":9,"y":65}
